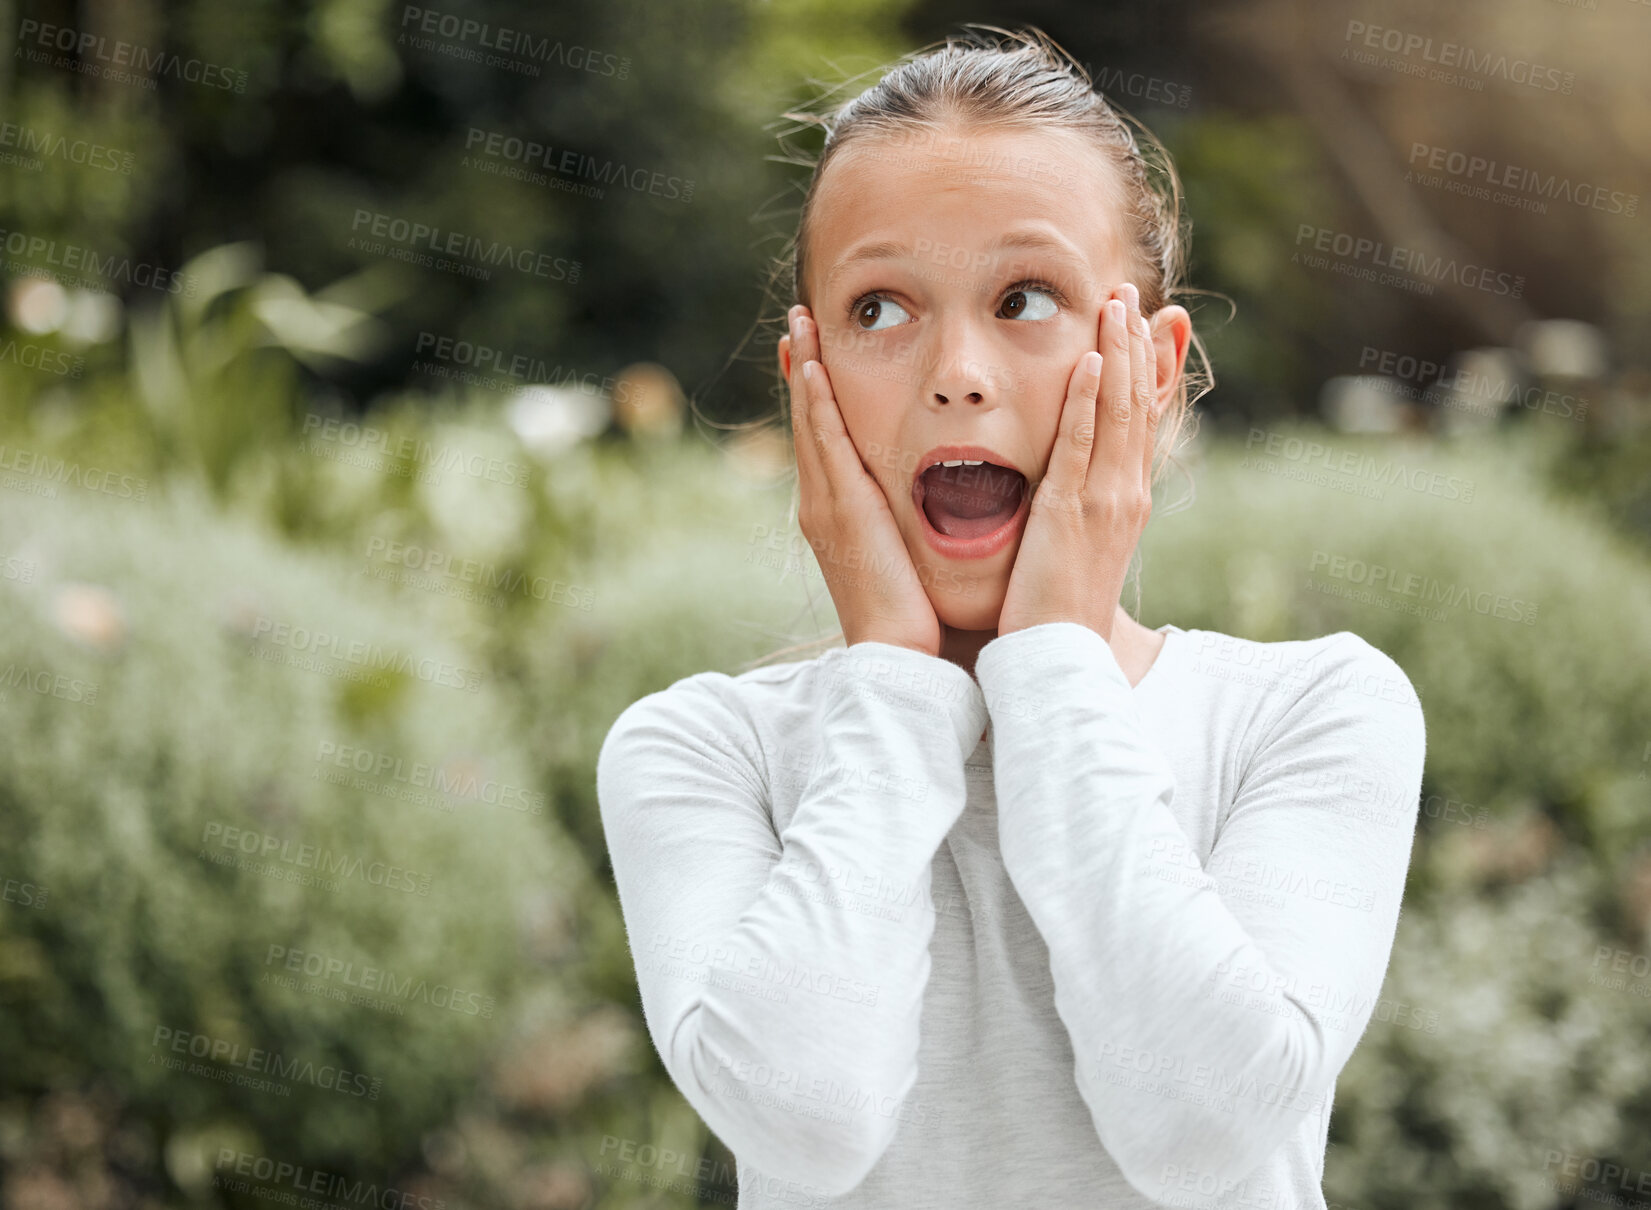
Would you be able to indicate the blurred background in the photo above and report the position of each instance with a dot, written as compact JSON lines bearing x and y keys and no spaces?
{"x":386,"y":400}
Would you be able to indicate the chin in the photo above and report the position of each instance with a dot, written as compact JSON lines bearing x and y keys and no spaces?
{"x":976,"y":607}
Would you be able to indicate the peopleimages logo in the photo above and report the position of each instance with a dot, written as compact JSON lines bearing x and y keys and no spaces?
{"x":258,"y":1061}
{"x":1479,"y":176}
{"x":97,"y":269}
{"x":484,"y":360}
{"x":48,"y":684}
{"x":376,"y":980}
{"x":460,"y":783}
{"x":54,"y":472}
{"x":1407,"y":260}
{"x":1384,"y":470}
{"x":1440,"y":55}
{"x":98,"y":56}
{"x":304,"y":1180}
{"x":528,"y":50}
{"x":418,"y":237}
{"x":24,"y":894}
{"x":38,"y":357}
{"x":321,"y":644}
{"x":1115,"y":81}
{"x":1462,"y":388}
{"x":1382,"y":579}
{"x":263,"y":847}
{"x":51,"y":145}
{"x":368,"y":440}
{"x":435,"y":567}
{"x":511,"y":150}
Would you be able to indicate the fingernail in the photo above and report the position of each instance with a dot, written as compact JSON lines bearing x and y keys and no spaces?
{"x":1115,"y":309}
{"x":808,"y":370}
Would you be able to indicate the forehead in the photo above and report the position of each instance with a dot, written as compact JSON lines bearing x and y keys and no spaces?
{"x":1019,"y":195}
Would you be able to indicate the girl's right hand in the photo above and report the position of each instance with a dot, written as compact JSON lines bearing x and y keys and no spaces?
{"x":844,"y":514}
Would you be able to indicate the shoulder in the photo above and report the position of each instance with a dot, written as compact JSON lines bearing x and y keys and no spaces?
{"x":730,"y":721}
{"x":1351,"y":688}
{"x":1328,"y":720}
{"x":710,"y":701}
{"x":1343,"y":667}
{"x":1326,"y":698}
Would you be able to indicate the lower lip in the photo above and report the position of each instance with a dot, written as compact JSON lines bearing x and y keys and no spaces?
{"x":971,"y":548}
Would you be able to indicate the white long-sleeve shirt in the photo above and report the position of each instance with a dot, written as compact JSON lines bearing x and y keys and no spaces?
{"x":1115,"y":954}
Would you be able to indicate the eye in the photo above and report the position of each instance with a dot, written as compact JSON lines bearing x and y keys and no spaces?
{"x":875,"y":307}
{"x":1031,"y":300}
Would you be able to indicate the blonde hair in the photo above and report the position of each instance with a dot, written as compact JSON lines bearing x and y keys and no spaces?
{"x":992,"y":78}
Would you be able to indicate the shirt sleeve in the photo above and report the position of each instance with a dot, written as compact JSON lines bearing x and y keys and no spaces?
{"x":1209,"y":1008}
{"x":782,"y":975}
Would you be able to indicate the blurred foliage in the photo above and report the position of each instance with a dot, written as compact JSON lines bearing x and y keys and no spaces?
{"x":350,"y":106}
{"x":183,"y":472}
{"x":1509,"y":1060}
{"x":156,"y":705}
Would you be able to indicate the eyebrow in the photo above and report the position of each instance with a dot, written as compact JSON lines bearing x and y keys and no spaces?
{"x":1032,"y":239}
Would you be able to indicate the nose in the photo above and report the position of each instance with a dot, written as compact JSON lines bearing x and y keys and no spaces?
{"x":962,"y":373}
{"x":971,"y":397}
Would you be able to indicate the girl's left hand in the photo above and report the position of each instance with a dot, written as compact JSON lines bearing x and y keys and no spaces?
{"x":1089,"y":509}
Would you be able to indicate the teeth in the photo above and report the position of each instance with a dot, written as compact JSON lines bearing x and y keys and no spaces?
{"x":965,"y":462}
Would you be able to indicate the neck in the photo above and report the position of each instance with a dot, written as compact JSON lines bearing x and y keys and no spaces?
{"x":962,"y":647}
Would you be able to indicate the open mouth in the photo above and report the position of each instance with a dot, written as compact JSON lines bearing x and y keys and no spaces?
{"x":970,"y":499}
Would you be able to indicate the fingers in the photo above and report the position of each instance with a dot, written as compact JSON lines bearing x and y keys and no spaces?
{"x":1126,"y":404}
{"x":808,"y":459}
{"x":1140,"y":399}
{"x":824,"y":452}
{"x":1112,"y":414}
{"x":1069,"y":463}
{"x":1154,"y":409}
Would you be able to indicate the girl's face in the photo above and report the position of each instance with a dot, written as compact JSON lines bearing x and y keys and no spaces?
{"x":956,"y":280}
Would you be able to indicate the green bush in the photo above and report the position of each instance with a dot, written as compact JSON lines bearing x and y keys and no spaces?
{"x":112,"y":795}
{"x":1513,"y":1059}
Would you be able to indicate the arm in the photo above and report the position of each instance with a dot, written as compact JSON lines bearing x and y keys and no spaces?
{"x":782,"y":976}
{"x":1207,"y":1013}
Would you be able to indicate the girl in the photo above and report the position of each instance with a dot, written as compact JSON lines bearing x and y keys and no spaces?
{"x":1010,"y":900}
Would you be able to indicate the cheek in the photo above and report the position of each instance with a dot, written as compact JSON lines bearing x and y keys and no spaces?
{"x":872,"y":416}
{"x":1044,"y":400}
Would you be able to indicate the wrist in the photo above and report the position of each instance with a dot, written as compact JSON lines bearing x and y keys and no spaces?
{"x":890,"y":641}
{"x":1102,"y":627}
{"x":1022,"y":664}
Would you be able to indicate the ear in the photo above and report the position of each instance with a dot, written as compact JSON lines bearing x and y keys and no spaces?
{"x":785,"y":357}
{"x":1171,"y":338}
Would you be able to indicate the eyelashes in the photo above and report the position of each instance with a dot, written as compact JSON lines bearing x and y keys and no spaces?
{"x":1037,"y":284}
